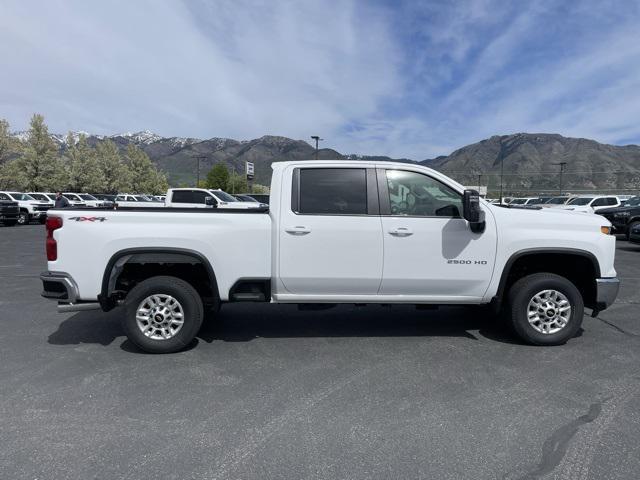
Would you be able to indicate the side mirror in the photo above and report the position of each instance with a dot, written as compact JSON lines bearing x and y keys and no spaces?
{"x":472,"y":212}
{"x":210,"y":201}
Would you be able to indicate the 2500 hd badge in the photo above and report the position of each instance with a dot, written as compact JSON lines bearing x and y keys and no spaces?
{"x":466,"y":262}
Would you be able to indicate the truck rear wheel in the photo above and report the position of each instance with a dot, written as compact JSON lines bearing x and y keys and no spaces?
{"x":162,"y":314}
{"x":23,"y":218}
{"x":545,"y":309}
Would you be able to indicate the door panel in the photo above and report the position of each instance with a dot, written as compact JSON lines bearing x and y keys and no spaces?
{"x":428,"y":249}
{"x":323,"y":250}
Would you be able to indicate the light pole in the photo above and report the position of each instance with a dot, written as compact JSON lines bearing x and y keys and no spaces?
{"x":562,"y":165}
{"x":501,"y":174}
{"x":317,"y":139}
{"x":198,"y":158}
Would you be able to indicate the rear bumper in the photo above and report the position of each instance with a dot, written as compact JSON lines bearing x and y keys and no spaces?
{"x":606,"y":292}
{"x":62,"y":287}
{"x":59,"y":286}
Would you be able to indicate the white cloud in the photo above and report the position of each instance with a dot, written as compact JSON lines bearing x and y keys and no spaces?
{"x":228,"y":68}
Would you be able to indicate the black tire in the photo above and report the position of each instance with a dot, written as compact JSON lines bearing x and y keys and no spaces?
{"x":522,"y":292}
{"x":10,"y":223}
{"x":23,"y":218}
{"x":629,"y":228}
{"x":180,"y":290}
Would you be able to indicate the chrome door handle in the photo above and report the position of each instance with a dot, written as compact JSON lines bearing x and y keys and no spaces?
{"x":298,"y":230}
{"x":401,"y":232}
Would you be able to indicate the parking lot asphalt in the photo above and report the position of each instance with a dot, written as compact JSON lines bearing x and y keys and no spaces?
{"x":352,"y":392}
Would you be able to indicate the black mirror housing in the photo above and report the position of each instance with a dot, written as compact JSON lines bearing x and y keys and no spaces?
{"x":210,"y":201}
{"x":471,"y":210}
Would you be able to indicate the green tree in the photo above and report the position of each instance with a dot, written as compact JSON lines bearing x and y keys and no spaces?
{"x":12,"y":176}
{"x":145,"y":177}
{"x":84,"y":171}
{"x":237,"y":183}
{"x":8,"y":144}
{"x":218,"y":177}
{"x":116,"y":174}
{"x":39,"y":162}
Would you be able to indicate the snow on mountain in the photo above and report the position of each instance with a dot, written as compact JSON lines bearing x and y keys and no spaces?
{"x":145,"y":136}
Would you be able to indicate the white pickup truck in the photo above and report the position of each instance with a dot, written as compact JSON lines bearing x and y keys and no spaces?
{"x":205,"y":198}
{"x":335,"y":232}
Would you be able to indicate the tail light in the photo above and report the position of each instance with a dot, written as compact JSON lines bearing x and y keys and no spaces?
{"x":53,"y":223}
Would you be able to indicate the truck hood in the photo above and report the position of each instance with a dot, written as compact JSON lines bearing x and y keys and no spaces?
{"x":618,"y":209}
{"x":558,"y":217}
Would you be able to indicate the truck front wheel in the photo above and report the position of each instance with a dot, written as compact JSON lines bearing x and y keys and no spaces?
{"x":162,"y":314}
{"x":545,"y":309}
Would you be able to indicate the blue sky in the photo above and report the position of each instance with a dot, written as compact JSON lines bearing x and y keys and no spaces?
{"x":400,"y":78}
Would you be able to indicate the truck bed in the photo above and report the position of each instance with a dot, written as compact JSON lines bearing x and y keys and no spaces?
{"x":237,"y":242}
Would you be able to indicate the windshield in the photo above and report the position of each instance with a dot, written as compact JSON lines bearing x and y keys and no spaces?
{"x":71,"y":196}
{"x":86,"y":196}
{"x":632,"y":202}
{"x":518,"y":201}
{"x":581,"y":201}
{"x":39,"y":196}
{"x":21,"y":196}
{"x":538,"y":201}
{"x":224,"y":196}
{"x":557,"y":201}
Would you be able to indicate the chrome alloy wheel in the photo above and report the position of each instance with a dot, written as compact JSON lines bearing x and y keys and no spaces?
{"x":549,"y":311}
{"x":160,"y":317}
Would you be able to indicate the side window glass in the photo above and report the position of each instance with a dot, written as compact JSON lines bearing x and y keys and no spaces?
{"x":333,"y":191}
{"x":4,"y":197}
{"x":198,"y":196}
{"x":612,"y":201}
{"x":415,"y":194}
{"x":599,"y":202}
{"x":182,"y":196}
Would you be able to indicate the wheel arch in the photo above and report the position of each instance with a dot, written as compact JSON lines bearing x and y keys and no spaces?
{"x":535,"y":260}
{"x":153,"y":256}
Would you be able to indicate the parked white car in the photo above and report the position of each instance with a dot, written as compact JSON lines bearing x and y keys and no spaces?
{"x":30,"y":208}
{"x":558,"y":202}
{"x":203,"y":198}
{"x":83,"y":198}
{"x":49,"y":198}
{"x":523,"y":201}
{"x":136,"y":201}
{"x":592,"y":203}
{"x":336,"y":232}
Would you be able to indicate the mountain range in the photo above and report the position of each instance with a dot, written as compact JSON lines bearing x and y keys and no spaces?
{"x":530,"y":161}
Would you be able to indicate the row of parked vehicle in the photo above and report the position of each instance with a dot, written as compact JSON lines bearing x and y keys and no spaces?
{"x":578,"y":203}
{"x":623,"y":211}
{"x":17,"y":208}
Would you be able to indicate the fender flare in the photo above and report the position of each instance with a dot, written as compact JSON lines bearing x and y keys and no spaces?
{"x":120,"y":258}
{"x":532,"y":251}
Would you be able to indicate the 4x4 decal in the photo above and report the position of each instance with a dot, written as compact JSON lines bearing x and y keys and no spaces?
{"x":88,"y":219}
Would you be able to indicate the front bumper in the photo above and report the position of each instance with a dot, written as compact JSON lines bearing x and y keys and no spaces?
{"x":606,"y":292}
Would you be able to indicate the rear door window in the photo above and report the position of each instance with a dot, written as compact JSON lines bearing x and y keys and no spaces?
{"x":332,"y":191}
{"x":182,"y":196}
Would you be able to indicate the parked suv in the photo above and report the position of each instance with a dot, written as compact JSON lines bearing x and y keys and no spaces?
{"x":30,"y":208}
{"x":624,"y":217}
{"x":592,"y":203}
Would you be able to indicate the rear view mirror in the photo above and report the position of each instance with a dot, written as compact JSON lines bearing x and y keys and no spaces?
{"x":472,"y":212}
{"x":210,"y":201}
